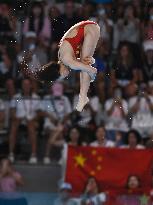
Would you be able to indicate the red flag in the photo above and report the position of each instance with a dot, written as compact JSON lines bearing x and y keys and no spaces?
{"x":110,"y":166}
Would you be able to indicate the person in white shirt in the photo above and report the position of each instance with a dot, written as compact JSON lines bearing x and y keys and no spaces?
{"x":101,"y":140}
{"x":141,"y":110}
{"x":133,"y":139}
{"x":92,"y":193}
{"x":56,"y":107}
{"x":64,"y":197}
{"x":116,"y":112}
{"x":24,"y":107}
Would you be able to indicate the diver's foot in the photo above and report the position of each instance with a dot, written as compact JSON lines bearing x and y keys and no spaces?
{"x":82,"y":102}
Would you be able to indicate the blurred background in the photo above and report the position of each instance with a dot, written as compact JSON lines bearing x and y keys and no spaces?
{"x":38,"y":122}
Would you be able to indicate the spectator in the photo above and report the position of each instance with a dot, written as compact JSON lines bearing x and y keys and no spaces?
{"x":69,"y":18}
{"x":56,"y":107}
{"x":2,"y":116}
{"x":140,"y":108}
{"x":92,"y":193}
{"x":116,"y":114}
{"x":133,"y":139}
{"x":133,"y":182}
{"x":147,"y":68}
{"x":57,"y":140}
{"x":106,"y":24}
{"x":7,"y":68}
{"x":124,"y":70}
{"x":133,"y":193}
{"x":56,"y":19}
{"x":37,"y":22}
{"x":127,"y":28}
{"x":64,"y":195}
{"x":147,"y":30}
{"x":149,"y":142}
{"x":101,"y":140}
{"x":10,"y":180}
{"x":24,"y":108}
{"x":5,"y":23}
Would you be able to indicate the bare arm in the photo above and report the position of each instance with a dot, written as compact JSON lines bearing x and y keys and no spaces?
{"x":19,"y":179}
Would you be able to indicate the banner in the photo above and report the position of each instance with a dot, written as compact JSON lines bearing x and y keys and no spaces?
{"x":110,"y":166}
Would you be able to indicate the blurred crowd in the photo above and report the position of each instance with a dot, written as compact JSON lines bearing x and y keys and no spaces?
{"x":120,"y":112}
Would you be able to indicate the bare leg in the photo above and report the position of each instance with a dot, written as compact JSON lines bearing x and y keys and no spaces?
{"x":32,"y":135}
{"x":13,"y":134}
{"x":88,"y":72}
{"x":88,"y":49}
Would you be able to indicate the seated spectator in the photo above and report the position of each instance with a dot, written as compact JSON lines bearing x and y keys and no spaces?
{"x":105,"y":23}
{"x":140,"y":109}
{"x":147,"y":68}
{"x":24,"y":107}
{"x":116,"y":114}
{"x":2,"y":116}
{"x":147,"y":30}
{"x":6,"y":33}
{"x":57,"y":140}
{"x":101,"y":140}
{"x":56,"y":107}
{"x":124,"y":70}
{"x":149,"y":142}
{"x":69,"y":18}
{"x":7,"y":68}
{"x":64,"y":195}
{"x":133,"y":182}
{"x":127,"y":28}
{"x":10,"y":180}
{"x":56,"y":19}
{"x":34,"y":51}
{"x":134,"y":193}
{"x":37,"y":22}
{"x":91,"y":194}
{"x":133,"y":138}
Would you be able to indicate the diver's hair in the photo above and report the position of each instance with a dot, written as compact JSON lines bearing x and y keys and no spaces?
{"x":45,"y":74}
{"x":49,"y":72}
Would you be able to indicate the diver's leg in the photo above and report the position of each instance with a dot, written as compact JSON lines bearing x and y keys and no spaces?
{"x":88,"y":49}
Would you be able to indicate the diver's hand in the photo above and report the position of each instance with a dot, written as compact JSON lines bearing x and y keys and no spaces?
{"x":89,"y":60}
{"x":64,"y":72}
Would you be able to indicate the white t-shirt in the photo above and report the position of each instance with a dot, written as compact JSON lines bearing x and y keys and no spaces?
{"x":58,"y":107}
{"x":26,"y":107}
{"x":97,"y":199}
{"x":107,"y":143}
{"x":138,"y":146}
{"x":142,"y":121}
{"x":116,"y":121}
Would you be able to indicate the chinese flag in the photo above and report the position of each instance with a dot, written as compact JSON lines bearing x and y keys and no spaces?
{"x":110,"y":166}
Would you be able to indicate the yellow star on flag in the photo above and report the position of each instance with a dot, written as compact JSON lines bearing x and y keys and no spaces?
{"x":99,"y":167}
{"x":92,"y":173}
{"x":144,"y":200}
{"x":94,"y":152}
{"x":99,"y":159}
{"x":80,"y":160}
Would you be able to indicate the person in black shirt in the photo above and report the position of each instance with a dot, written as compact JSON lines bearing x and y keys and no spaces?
{"x":147,"y":69}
